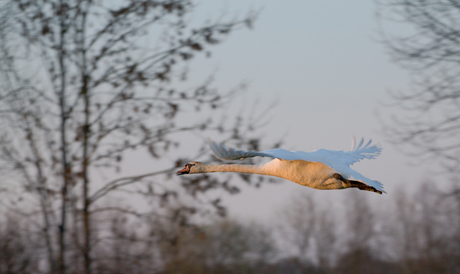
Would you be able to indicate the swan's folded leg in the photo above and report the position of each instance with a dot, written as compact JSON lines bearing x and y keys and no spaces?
{"x":363,"y":186}
{"x":357,"y":184}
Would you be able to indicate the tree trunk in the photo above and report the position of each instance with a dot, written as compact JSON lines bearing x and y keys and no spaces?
{"x":44,"y":201}
{"x":86,"y":202}
{"x":65,"y":163}
{"x":85,"y":161}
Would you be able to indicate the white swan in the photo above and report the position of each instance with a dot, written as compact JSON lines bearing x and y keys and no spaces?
{"x":320,"y":169}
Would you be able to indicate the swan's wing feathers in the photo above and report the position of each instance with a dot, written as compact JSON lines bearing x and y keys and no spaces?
{"x":332,"y":158}
{"x":228,"y":154}
{"x":361,"y":151}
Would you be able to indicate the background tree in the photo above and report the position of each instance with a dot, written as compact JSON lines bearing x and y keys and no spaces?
{"x":298,"y":225}
{"x":359,"y":231}
{"x":16,"y":248}
{"x":309,"y":232}
{"x":221,"y":246}
{"x":430,"y":50}
{"x":325,"y":237}
{"x":84,"y":85}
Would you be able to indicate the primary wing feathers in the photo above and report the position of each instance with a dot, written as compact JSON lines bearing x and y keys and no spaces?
{"x":226,"y":154}
{"x":361,"y":151}
{"x":339,"y":160}
{"x":356,"y":153}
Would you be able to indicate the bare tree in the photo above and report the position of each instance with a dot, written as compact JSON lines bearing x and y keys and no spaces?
{"x":222,"y":245}
{"x":405,"y":235}
{"x":308,"y":228}
{"x":430,"y":50}
{"x":298,"y":225}
{"x":16,"y":248}
{"x":454,"y":226}
{"x":83,"y":85}
{"x":325,"y":237}
{"x":360,"y":221}
{"x":436,"y":229}
{"x":431,"y":127}
{"x":359,"y":231}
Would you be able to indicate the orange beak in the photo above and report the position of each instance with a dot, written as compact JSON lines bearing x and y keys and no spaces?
{"x":185,"y":170}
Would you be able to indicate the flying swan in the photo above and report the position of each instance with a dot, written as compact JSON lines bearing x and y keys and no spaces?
{"x":320,"y":169}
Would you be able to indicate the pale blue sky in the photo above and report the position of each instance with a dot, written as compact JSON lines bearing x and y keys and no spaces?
{"x":322,"y":63}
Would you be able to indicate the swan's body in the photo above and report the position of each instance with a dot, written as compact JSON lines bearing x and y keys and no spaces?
{"x":320,"y":169}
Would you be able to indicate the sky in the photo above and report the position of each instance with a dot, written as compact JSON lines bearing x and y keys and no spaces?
{"x":323,"y":66}
{"x":319,"y":68}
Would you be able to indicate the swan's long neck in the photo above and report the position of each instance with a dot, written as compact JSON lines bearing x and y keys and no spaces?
{"x":254,"y":169}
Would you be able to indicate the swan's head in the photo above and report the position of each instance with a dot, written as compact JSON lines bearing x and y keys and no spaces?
{"x":191,"y":167}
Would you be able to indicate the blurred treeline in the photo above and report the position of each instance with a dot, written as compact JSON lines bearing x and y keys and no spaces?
{"x":419,"y":232}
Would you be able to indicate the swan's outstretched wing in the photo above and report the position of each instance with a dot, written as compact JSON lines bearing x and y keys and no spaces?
{"x":328,"y":157}
{"x":226,"y":154}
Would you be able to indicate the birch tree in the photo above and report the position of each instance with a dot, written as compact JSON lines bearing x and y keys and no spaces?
{"x":84,"y":83}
